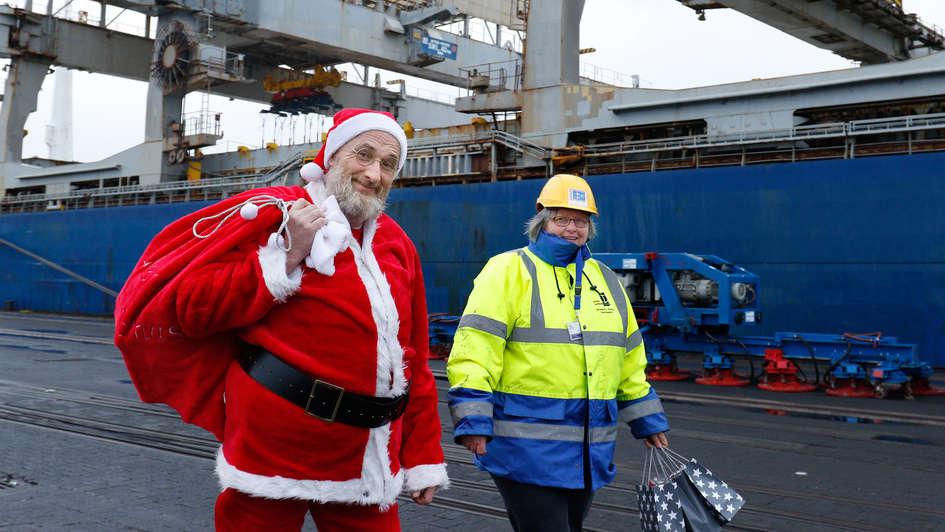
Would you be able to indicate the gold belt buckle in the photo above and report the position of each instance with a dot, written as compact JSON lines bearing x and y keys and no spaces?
{"x":334,"y":411}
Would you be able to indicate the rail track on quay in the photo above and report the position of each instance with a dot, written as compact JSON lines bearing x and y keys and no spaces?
{"x":87,"y":424}
{"x":126,"y":420}
{"x":787,"y":406}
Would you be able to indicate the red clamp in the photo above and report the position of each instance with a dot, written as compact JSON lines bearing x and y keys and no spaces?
{"x":780,"y":374}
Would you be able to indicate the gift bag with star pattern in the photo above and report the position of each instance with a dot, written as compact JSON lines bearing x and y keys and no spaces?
{"x":719,"y":496}
{"x":677,"y":495}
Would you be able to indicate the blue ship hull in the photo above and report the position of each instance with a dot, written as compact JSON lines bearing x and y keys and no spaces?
{"x":840,"y":246}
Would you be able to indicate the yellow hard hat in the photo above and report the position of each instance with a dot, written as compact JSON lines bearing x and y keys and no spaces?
{"x":567,"y":191}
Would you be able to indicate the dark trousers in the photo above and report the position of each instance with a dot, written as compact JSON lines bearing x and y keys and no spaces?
{"x":533,"y":508}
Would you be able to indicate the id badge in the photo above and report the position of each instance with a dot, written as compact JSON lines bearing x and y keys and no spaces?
{"x":574,"y":331}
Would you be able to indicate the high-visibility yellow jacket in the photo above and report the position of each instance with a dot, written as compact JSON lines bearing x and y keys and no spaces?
{"x":547,"y":402}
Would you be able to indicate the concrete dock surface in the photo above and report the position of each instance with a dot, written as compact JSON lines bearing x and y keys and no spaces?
{"x":80,"y":452}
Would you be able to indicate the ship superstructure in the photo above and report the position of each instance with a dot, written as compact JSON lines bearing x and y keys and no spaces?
{"x":793,"y":176}
{"x":284,"y":54}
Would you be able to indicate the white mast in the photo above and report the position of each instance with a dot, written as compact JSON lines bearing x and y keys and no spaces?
{"x":59,"y":132}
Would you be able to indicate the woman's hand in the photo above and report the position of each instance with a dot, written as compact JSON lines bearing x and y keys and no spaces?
{"x":476,"y":444}
{"x":657,"y":440}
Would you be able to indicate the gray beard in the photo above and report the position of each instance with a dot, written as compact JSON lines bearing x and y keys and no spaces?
{"x":357,"y":208}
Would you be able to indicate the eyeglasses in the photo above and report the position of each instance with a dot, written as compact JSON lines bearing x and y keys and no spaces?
{"x":563,"y":221}
{"x":366,"y":157}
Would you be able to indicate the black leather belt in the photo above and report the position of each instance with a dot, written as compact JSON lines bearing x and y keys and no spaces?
{"x":318,"y":398}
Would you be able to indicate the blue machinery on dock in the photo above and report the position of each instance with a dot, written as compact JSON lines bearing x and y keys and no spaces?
{"x":442,"y":328}
{"x":687,"y":303}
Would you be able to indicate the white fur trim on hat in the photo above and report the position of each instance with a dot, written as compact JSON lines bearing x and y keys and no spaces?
{"x":360,"y":123}
{"x":311,"y":172}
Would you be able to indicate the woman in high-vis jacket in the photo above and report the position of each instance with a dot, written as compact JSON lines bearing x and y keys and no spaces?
{"x":547,"y":360}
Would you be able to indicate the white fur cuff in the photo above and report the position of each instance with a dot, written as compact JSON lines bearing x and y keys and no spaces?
{"x":425,"y":476}
{"x":272,"y":260}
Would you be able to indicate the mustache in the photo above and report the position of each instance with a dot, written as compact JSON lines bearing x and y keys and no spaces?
{"x":366,"y":184}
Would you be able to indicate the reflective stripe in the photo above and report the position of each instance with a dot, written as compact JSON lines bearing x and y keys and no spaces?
{"x":543,"y":431}
{"x":470,"y":408}
{"x":538,"y":313}
{"x":614,"y":339}
{"x":484,"y":324}
{"x":538,"y":334}
{"x":618,"y":292}
{"x":603,"y":434}
{"x":561,"y":336}
{"x":634,"y":340}
{"x":643,"y":408}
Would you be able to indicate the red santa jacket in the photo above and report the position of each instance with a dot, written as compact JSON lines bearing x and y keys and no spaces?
{"x":364,"y":329}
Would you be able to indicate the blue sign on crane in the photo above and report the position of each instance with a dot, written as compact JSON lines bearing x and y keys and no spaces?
{"x":438,"y":47}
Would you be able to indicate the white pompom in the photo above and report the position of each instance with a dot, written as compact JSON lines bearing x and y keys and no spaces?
{"x":311,"y":172}
{"x":249,"y":211}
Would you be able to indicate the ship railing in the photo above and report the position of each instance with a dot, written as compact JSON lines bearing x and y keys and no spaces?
{"x":709,"y":141}
{"x":931,"y":35}
{"x":883,"y":125}
{"x":494,"y":77}
{"x":191,"y":188}
{"x":130,"y":190}
{"x":426,"y":147}
{"x":521,"y":145}
{"x":202,"y":122}
{"x":283,"y":169}
{"x":608,"y":76}
{"x":795,"y":134}
{"x":452,"y":156}
{"x":430,"y":95}
{"x":480,"y":30}
{"x":445,"y":156}
{"x":452,"y":140}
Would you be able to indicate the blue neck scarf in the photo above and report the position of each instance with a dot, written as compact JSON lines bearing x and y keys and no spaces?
{"x":560,"y":252}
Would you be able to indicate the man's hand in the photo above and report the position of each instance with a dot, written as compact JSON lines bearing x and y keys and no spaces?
{"x":425,"y":496}
{"x":476,"y":444}
{"x":657,"y":440}
{"x":305,"y":220}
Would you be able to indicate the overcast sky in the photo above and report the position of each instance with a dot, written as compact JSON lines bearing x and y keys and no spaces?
{"x":659,"y":40}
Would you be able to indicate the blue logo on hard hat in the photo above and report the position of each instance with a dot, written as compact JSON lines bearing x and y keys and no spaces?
{"x":577,"y":197}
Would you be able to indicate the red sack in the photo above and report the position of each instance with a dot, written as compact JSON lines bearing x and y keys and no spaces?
{"x":186,"y":373}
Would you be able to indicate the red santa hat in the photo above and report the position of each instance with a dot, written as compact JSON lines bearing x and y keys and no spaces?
{"x":349,"y":123}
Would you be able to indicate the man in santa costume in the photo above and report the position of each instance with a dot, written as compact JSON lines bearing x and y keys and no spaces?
{"x":329,"y":316}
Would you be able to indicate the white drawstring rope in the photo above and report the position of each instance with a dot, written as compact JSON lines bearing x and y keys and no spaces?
{"x":256,"y":202}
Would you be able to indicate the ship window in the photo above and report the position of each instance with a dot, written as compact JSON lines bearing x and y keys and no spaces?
{"x":85,"y":185}
{"x":25,"y":191}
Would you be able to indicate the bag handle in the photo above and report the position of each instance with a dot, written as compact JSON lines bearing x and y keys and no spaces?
{"x":647,"y":465}
{"x":675,"y":457}
{"x":661,"y":464}
{"x":666,"y":465}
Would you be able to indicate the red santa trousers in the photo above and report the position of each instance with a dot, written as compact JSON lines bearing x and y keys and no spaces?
{"x":239,"y":512}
